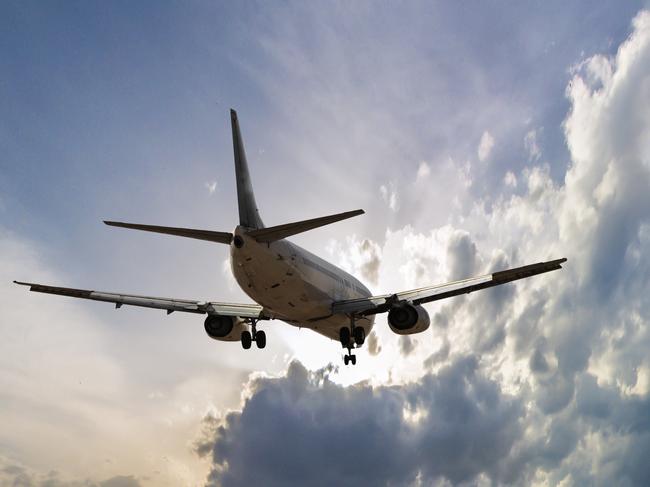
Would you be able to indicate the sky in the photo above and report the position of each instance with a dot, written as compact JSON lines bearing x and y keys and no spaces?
{"x":476,"y":136}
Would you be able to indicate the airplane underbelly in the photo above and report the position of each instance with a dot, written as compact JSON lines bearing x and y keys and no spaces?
{"x":331,"y":326}
{"x":271,"y":281}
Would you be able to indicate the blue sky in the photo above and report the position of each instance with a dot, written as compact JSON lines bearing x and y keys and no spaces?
{"x":474,"y":134}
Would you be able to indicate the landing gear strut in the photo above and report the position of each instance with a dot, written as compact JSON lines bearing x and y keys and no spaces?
{"x":352,"y":337}
{"x":247,"y":338}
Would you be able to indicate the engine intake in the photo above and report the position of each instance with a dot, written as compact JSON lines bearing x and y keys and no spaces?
{"x":224,"y":328}
{"x":407,"y":319}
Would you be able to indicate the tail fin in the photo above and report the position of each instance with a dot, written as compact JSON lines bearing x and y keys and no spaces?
{"x":249,"y":215}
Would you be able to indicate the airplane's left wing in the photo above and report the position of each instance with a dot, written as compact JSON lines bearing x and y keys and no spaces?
{"x":169,"y":304}
{"x":383,"y":303}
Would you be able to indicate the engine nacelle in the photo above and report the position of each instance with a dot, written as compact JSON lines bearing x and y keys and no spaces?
{"x":224,"y":328}
{"x":407,"y":319}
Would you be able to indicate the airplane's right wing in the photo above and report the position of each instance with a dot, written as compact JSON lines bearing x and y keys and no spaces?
{"x":383,"y":303}
{"x":169,"y":304}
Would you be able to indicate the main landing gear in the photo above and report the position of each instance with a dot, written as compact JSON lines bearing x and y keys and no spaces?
{"x":247,"y":338}
{"x":352,"y":337}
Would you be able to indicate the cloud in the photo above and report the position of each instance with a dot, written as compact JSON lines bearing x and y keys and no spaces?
{"x":531,"y":144}
{"x":510,"y":179}
{"x":485,"y":146}
{"x":359,"y":257}
{"x":121,"y":481}
{"x":406,"y":345}
{"x":372,"y":342}
{"x":452,"y":425}
{"x":570,"y":346}
{"x":552,"y":372}
{"x":20,"y":476}
{"x":389,"y":195}
{"x":62,"y":378}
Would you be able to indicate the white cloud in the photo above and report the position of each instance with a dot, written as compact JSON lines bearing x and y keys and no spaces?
{"x":389,"y":195}
{"x":485,"y":146}
{"x":510,"y":179}
{"x":571,"y":345}
{"x":531,"y":144}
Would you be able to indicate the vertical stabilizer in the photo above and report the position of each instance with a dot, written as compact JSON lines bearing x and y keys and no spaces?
{"x":249,"y":215}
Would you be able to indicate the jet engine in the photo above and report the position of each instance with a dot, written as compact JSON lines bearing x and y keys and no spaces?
{"x":407,"y":319}
{"x":224,"y":328}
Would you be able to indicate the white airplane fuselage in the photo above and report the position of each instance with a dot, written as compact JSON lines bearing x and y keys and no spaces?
{"x":294,"y":285}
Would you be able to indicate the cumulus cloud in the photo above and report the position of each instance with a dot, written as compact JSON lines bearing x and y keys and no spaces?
{"x":570,"y":346}
{"x":452,"y":425}
{"x":485,"y":146}
{"x":359,"y":257}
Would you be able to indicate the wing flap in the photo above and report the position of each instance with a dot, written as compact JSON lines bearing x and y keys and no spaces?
{"x":382,"y":303}
{"x":168,"y":304}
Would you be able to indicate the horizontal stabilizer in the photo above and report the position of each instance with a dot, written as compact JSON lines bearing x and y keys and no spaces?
{"x":271,"y":234}
{"x":210,"y":236}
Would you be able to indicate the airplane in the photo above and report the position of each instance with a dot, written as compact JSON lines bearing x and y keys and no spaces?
{"x":290,"y":284}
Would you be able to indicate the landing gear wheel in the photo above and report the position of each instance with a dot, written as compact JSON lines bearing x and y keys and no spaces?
{"x":353,"y":359}
{"x":246,"y":339}
{"x":344,"y":337}
{"x":359,"y":335}
{"x":260,"y":339}
{"x":346,"y":359}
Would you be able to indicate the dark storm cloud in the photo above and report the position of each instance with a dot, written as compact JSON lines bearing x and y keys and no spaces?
{"x":303,"y":429}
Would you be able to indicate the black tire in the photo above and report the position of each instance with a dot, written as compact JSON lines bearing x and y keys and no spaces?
{"x":346,"y":359}
{"x":260,"y":339}
{"x":246,"y":339}
{"x":359,"y":335}
{"x":344,"y":337}
{"x":353,"y":359}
